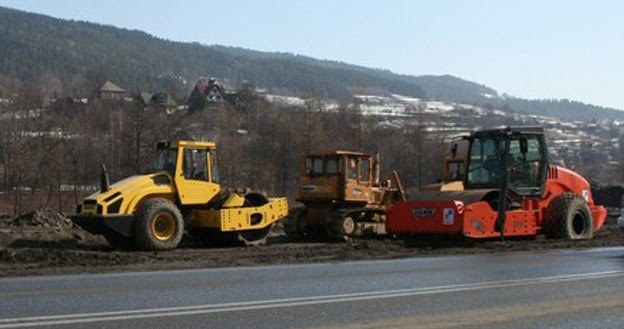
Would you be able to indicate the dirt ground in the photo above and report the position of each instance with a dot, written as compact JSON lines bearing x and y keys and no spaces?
{"x":45,"y":242}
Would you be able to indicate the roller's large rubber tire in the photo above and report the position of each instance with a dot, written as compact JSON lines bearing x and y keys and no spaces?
{"x":118,"y":241}
{"x":568,"y":216}
{"x":159,"y":225}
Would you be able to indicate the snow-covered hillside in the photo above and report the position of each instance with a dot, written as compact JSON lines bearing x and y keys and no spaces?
{"x":569,"y":140}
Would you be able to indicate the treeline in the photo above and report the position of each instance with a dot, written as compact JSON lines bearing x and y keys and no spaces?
{"x":76,"y":53}
{"x":32,"y":45}
{"x":50,"y":158}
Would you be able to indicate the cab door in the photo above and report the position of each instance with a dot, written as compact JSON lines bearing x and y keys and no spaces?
{"x":193,"y":177}
{"x":357,"y":183}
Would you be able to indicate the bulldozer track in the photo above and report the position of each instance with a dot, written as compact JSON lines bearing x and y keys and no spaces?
{"x":360,"y":217}
{"x":291,"y":221}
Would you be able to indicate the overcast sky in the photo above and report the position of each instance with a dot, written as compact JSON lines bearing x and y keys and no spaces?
{"x":528,"y":48}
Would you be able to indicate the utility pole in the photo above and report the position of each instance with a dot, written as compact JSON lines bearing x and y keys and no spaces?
{"x":419,"y":135}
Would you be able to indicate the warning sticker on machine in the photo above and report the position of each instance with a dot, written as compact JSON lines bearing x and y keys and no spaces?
{"x":449,"y":216}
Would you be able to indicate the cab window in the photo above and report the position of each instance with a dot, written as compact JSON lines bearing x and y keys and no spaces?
{"x":314,"y":166}
{"x":333,"y":166}
{"x":365,"y":170}
{"x":214,"y":168}
{"x":485,"y":167}
{"x":195,"y":164}
{"x":456,"y":170}
{"x":526,"y":162}
{"x":165,"y":160}
{"x":352,"y":168}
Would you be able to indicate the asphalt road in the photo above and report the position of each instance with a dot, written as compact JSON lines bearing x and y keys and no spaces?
{"x":549,"y":289}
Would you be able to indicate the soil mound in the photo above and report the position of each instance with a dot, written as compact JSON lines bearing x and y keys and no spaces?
{"x":41,"y":218}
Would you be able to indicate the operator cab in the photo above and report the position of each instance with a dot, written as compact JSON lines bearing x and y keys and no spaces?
{"x":193,"y":167}
{"x":516,"y":157}
{"x":353,"y":166}
{"x":339,"y":175}
{"x":199,"y":161}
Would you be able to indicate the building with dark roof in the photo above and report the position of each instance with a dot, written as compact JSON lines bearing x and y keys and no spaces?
{"x":208,"y":93}
{"x":162,"y":101}
{"x":110,"y":91}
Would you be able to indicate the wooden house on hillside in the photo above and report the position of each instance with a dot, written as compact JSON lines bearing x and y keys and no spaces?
{"x":207,"y":93}
{"x":110,"y":91}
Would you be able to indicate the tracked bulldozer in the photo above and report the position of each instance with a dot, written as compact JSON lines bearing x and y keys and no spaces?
{"x":343,"y":196}
{"x":152,"y":211}
{"x":510,"y":190}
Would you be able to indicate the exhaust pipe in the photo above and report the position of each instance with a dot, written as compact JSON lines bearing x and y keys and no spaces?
{"x":104,"y":181}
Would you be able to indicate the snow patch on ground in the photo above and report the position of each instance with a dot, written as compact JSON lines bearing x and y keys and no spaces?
{"x":285,"y":100}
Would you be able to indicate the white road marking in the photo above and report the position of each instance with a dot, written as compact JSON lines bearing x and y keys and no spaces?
{"x":65,"y":319}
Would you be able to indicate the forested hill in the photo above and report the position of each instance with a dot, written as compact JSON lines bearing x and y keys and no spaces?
{"x":80,"y":53}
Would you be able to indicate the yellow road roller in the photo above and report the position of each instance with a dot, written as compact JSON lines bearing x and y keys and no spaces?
{"x":152,"y":211}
